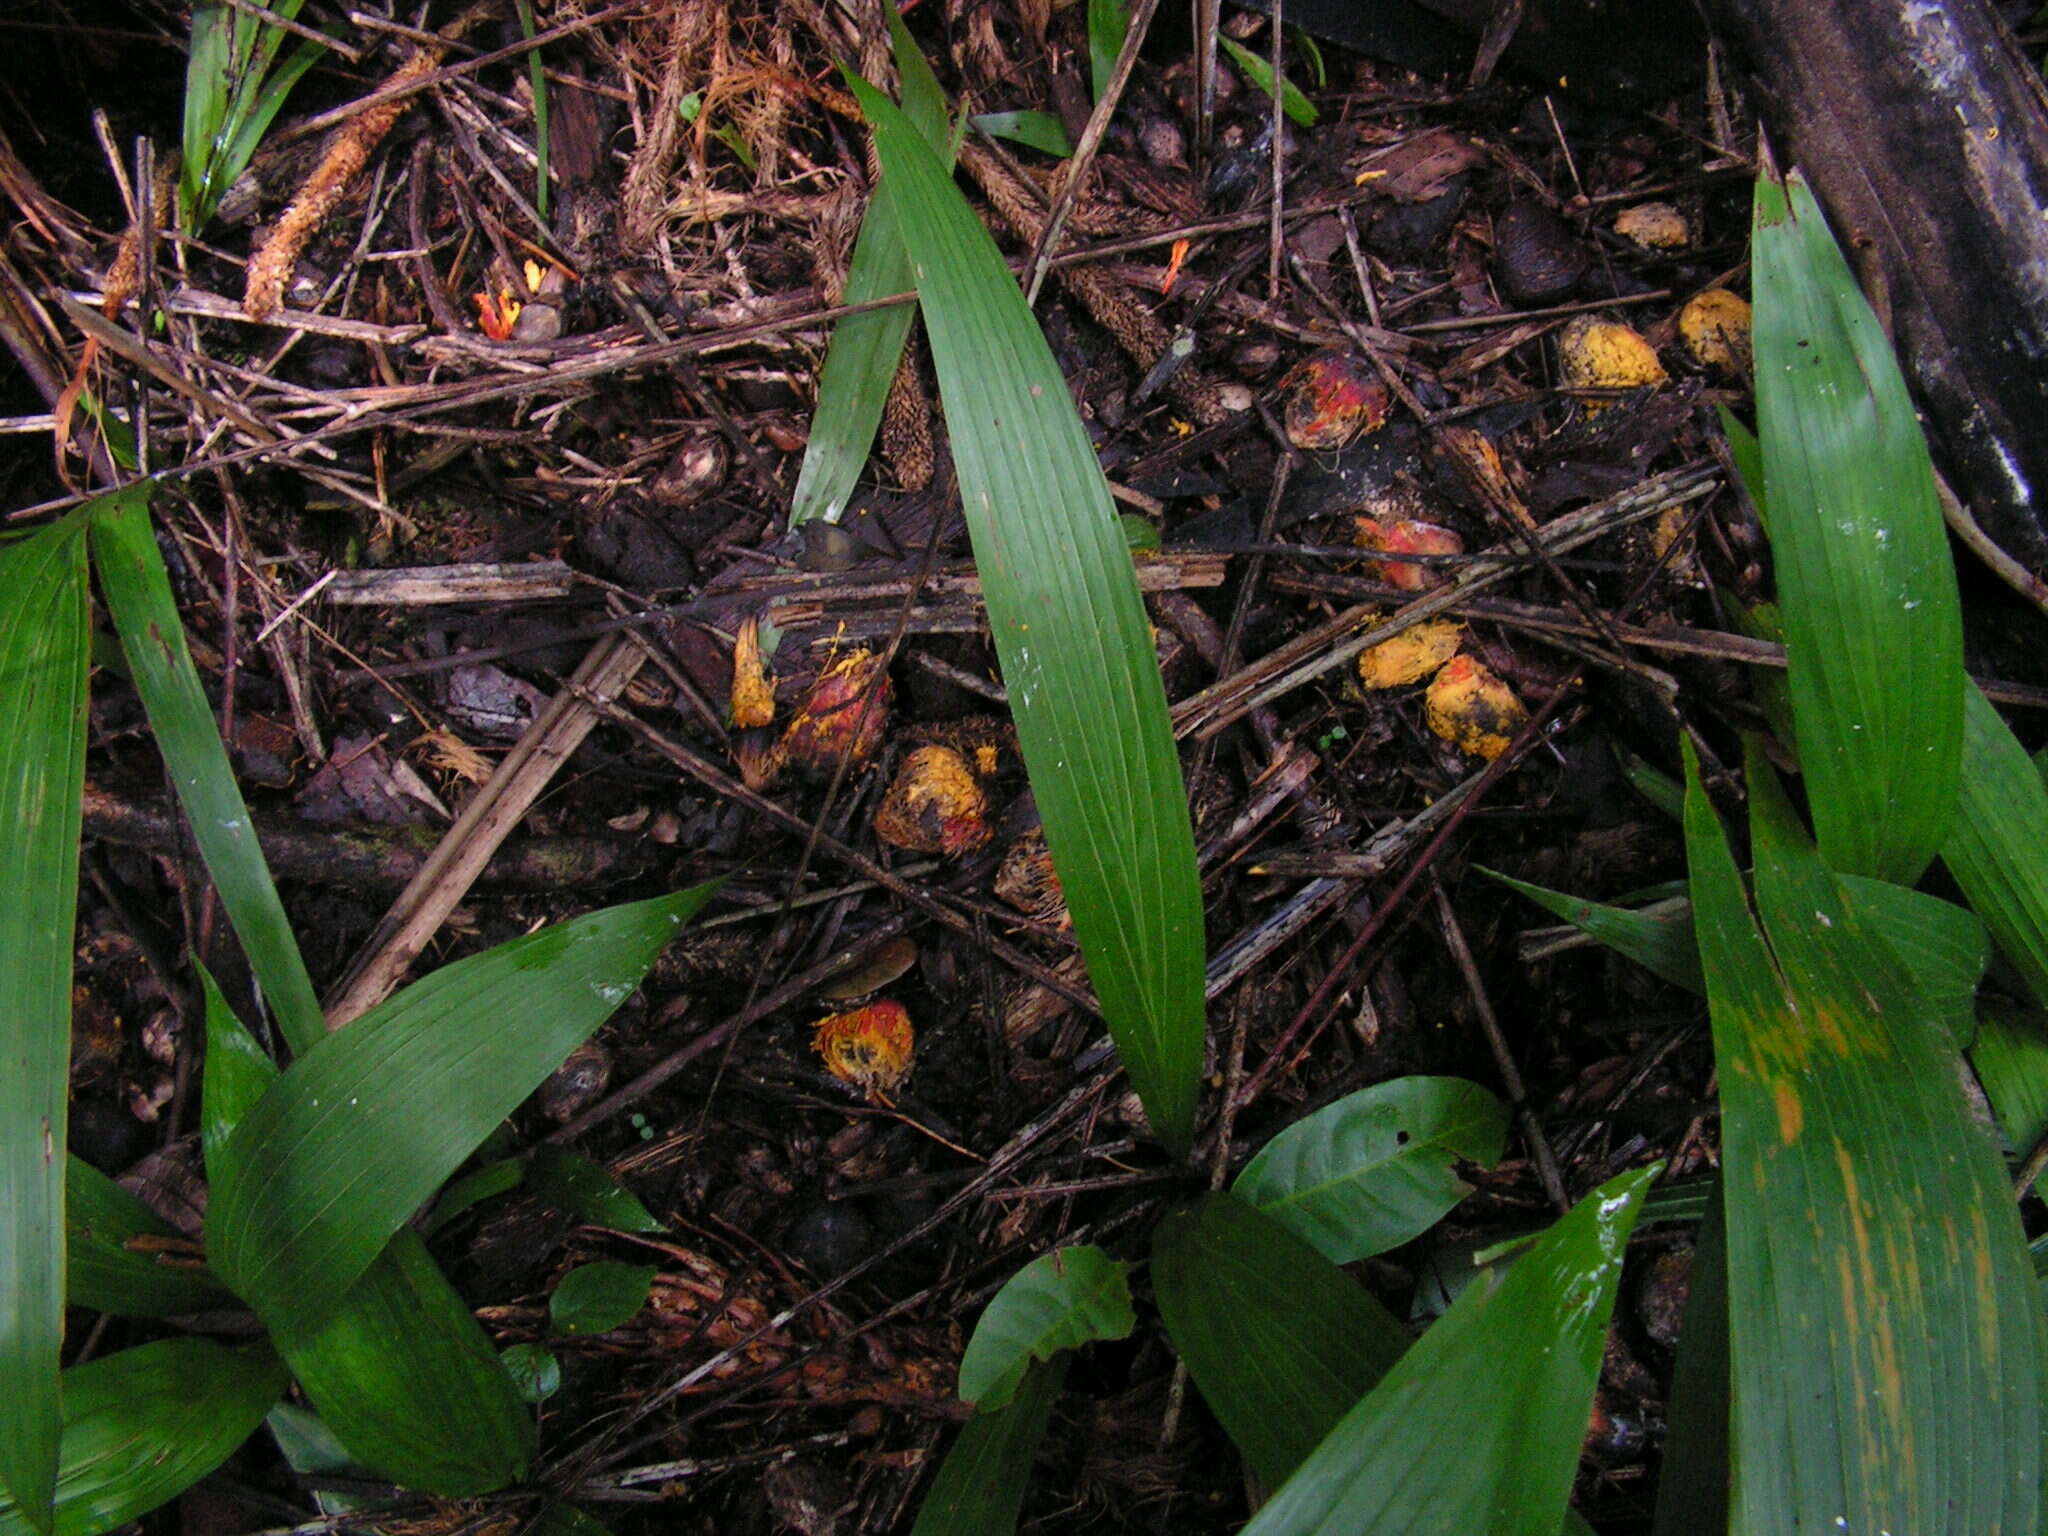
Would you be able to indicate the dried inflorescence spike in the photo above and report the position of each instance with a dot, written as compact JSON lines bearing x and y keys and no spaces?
{"x":934,"y":806}
{"x":1407,"y":537}
{"x":1410,"y":656}
{"x":843,"y":718}
{"x":1714,"y":326}
{"x":1604,"y":354}
{"x":1654,"y":227}
{"x":1472,"y":709}
{"x":1333,"y":397}
{"x":868,"y":1047}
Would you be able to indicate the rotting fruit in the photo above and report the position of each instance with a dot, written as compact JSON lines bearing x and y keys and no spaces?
{"x":934,"y":806}
{"x":1605,"y":354}
{"x":1331,"y":398}
{"x":868,"y":1047}
{"x":1471,"y":708}
{"x":1407,"y":537}
{"x":1714,"y":327}
{"x":1410,"y":656}
{"x":843,"y":718}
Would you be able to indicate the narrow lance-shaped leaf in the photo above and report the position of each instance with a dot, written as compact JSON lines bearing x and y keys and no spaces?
{"x":1873,"y":626}
{"x":1478,"y":1427}
{"x":366,"y":1125}
{"x":1886,"y":1368}
{"x":143,"y":1425}
{"x":118,"y":1254}
{"x":1280,"y":1340}
{"x":138,"y":594}
{"x":402,"y":1373}
{"x":1071,"y":634}
{"x":43,"y":646}
{"x":853,"y":386}
{"x":1994,"y":848}
{"x":1376,"y":1168}
{"x":1059,"y":1301}
{"x":1659,"y":941}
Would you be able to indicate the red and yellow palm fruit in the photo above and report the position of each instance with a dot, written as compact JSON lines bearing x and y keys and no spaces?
{"x":843,"y":717}
{"x":1331,"y":398}
{"x":1407,"y":537}
{"x":868,"y":1047}
{"x":1471,"y":708}
{"x":934,"y":806}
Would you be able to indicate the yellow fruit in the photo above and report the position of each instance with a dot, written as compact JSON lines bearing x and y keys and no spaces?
{"x":1654,"y":226}
{"x":1715,"y":329}
{"x":844,"y":716}
{"x":1472,"y":709}
{"x":1410,"y":656}
{"x":934,"y":806}
{"x":1603,"y":354}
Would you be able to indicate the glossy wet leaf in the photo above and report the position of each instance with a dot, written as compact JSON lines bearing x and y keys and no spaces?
{"x":1070,"y":632}
{"x":1279,"y":1339}
{"x":861,"y":360}
{"x":138,"y":593}
{"x":1883,"y":1336}
{"x":536,"y":1373}
{"x":1059,"y":1301}
{"x":1994,"y":850}
{"x":1866,"y":586}
{"x":365,"y":1125}
{"x":121,"y":1256}
{"x":142,"y":1425}
{"x":600,"y":1296}
{"x":981,"y":1484}
{"x":1478,"y":1426}
{"x":43,"y":644}
{"x":1377,"y":1167}
{"x":1299,"y":109}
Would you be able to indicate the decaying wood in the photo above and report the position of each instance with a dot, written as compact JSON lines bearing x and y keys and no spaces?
{"x":1924,"y":131}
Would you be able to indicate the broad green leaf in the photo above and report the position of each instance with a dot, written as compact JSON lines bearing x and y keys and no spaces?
{"x":311,"y":1449}
{"x":43,"y":643}
{"x":1378,"y":1167}
{"x":1058,"y":1301}
{"x":401,"y":1373}
{"x":1041,"y":131}
{"x":982,"y":1481}
{"x":1299,"y":109}
{"x":598,"y":1297}
{"x":1941,"y":947}
{"x":365,"y":1126}
{"x":861,"y":360}
{"x":2011,"y":1058}
{"x":1280,"y":1340}
{"x":410,"y":1383}
{"x":138,"y":594}
{"x":1478,"y":1426}
{"x":143,"y":1425}
{"x":1108,"y":21}
{"x":1994,"y":849}
{"x":588,"y":1191}
{"x":1886,"y":1368}
{"x":1692,"y":1485}
{"x":105,"y":1273}
{"x":1867,"y":589}
{"x":1659,"y":941}
{"x":1652,"y":783}
{"x":1070,"y":632}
